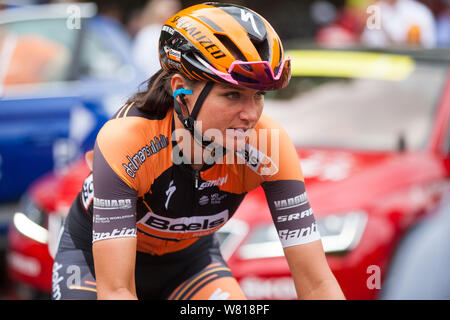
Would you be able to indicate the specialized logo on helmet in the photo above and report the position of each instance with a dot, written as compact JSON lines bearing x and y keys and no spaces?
{"x":247,"y":15}
{"x":183,"y":23}
{"x":248,"y":19}
{"x":211,"y":37}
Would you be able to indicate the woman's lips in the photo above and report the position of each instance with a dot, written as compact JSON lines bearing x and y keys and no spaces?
{"x":240,"y":132}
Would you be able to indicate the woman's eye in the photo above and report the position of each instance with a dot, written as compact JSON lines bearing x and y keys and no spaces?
{"x":233,"y":95}
{"x":260,"y":95}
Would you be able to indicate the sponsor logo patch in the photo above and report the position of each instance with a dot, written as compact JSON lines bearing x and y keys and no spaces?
{"x":298,"y":233}
{"x":257,"y":161}
{"x":87,"y":192}
{"x":213,"y":183}
{"x":174,"y":55}
{"x":295,"y":216}
{"x":111,"y":204}
{"x":183,"y":227}
{"x":204,"y":200}
{"x":115,"y":233}
{"x":291,"y":202}
{"x":136,"y":160}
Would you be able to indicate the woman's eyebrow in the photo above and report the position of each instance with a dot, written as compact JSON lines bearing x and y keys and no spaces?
{"x":231,"y":87}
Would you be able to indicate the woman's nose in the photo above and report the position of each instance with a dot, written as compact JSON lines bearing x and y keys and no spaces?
{"x":250,"y":111}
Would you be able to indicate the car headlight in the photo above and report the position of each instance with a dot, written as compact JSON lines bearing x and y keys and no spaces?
{"x":342,"y":232}
{"x":31,"y":221}
{"x":339,"y":233}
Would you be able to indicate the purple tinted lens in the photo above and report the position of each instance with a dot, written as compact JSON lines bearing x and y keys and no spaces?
{"x":260,"y":76}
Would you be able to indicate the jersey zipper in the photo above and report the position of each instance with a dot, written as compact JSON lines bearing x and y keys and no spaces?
{"x":196,"y":177}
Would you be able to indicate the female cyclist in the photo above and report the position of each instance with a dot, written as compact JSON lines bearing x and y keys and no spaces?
{"x":145,"y":230}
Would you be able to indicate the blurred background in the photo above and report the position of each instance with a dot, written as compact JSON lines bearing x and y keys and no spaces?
{"x":368,"y":109}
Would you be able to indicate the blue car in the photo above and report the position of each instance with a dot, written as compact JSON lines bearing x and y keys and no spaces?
{"x":64,"y":70}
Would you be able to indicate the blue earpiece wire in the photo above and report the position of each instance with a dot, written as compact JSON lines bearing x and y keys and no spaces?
{"x":181,"y":91}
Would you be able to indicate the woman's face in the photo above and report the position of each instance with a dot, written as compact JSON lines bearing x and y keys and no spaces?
{"x":231,"y":110}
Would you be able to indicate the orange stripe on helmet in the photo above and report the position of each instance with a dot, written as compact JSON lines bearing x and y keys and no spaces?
{"x":196,"y":74}
{"x":189,"y":73}
{"x":210,"y":78}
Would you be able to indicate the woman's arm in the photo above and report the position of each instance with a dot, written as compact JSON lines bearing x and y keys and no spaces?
{"x":114,"y":262}
{"x":294,"y":220}
{"x":312,"y":276}
{"x":114,"y":219}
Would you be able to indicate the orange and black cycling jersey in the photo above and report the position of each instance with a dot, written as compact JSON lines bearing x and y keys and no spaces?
{"x":138,"y":190}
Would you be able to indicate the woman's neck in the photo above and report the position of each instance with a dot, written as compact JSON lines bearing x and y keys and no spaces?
{"x":193,"y":145}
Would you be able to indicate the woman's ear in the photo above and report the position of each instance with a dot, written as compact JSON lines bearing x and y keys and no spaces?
{"x":177,"y":82}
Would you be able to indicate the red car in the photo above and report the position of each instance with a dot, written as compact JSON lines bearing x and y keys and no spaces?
{"x":373,"y":136}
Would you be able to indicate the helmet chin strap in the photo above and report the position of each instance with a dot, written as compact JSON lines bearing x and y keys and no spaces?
{"x":189,"y":121}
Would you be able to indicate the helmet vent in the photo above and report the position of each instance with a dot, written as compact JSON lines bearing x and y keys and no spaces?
{"x":262,"y":47}
{"x":234,"y":50}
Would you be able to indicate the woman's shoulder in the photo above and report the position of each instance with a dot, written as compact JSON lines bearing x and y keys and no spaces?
{"x":268,"y":128}
{"x":133,"y":126}
{"x":120,"y":132}
{"x":266,"y":122}
{"x":132,"y":146}
{"x":133,"y":137}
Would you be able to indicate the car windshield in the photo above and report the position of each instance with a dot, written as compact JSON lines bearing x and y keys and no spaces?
{"x":45,"y":51}
{"x":340,"y":105}
{"x":35,"y":51}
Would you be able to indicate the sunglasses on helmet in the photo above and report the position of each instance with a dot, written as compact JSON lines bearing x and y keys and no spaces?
{"x":256,"y":74}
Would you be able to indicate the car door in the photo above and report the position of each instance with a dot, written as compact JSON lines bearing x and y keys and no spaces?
{"x":59,"y":82}
{"x":37,"y":57}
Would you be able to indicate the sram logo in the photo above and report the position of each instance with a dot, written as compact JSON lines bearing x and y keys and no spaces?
{"x":185,"y":224}
{"x":295,"y":216}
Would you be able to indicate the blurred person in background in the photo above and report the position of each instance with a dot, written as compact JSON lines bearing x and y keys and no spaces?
{"x":443,"y":26}
{"x":339,"y":27}
{"x":401,"y":22}
{"x":145,"y":47}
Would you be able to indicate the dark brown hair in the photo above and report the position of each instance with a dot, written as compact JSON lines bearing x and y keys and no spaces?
{"x":157,"y":97}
